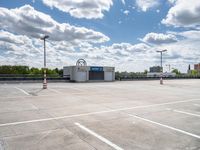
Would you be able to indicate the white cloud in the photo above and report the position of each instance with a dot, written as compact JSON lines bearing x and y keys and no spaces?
{"x":126,"y":12}
{"x":172,"y":1}
{"x":60,"y":53}
{"x":159,"y":38}
{"x":184,"y":13}
{"x":145,"y":5}
{"x":28,"y":21}
{"x":191,"y":34}
{"x":20,"y":29}
{"x":18,"y":26}
{"x":123,"y":2}
{"x":10,"y":38}
{"x":157,"y":10}
{"x":19,"y":49}
{"x":124,"y":56}
{"x":89,"y":9}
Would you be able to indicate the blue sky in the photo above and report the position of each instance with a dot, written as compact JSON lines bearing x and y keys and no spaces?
{"x":121,"y":33}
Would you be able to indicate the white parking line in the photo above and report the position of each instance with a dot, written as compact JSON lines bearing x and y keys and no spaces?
{"x":198,"y":105}
{"x":56,"y":91}
{"x":99,"y":137}
{"x":23,"y":91}
{"x":1,"y":145}
{"x":97,"y":112}
{"x":187,"y":113}
{"x":166,"y":126}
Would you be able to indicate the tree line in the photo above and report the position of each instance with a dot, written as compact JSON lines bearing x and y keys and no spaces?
{"x":26,"y":71}
{"x":129,"y":75}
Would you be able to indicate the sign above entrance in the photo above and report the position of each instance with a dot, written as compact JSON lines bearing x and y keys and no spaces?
{"x":97,"y":69}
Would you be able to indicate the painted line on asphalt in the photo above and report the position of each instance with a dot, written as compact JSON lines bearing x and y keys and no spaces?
{"x":23,"y":91}
{"x":99,"y":137}
{"x":93,"y":113}
{"x":187,"y":113}
{"x":11,"y":97}
{"x":198,"y":105}
{"x":1,"y":145}
{"x":166,"y":126}
{"x":56,"y":91}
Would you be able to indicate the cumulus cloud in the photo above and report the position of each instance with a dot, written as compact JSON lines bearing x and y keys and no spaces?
{"x":191,"y":34}
{"x":60,"y":53}
{"x":19,"y":25}
{"x":145,"y":5}
{"x":159,"y":38}
{"x":124,"y":56}
{"x":123,"y":2}
{"x":89,"y":9}
{"x":184,"y":13}
{"x":22,"y":50}
{"x":126,"y":12}
{"x":28,"y":21}
{"x":10,"y":38}
{"x":172,"y":1}
{"x":18,"y":43}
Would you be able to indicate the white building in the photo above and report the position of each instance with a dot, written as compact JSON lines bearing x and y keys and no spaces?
{"x":83,"y":73}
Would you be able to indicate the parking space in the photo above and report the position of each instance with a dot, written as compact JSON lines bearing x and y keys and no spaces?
{"x":112,"y":115}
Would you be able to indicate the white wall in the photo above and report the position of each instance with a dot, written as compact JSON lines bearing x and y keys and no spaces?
{"x":81,"y":76}
{"x":108,"y":76}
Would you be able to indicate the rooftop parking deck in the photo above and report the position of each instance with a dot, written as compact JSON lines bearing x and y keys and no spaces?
{"x":122,"y":115}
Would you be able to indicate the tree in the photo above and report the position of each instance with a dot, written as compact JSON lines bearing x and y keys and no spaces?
{"x":145,"y":71}
{"x":194,"y":72}
{"x":176,"y":71}
{"x":7,"y":69}
{"x":31,"y":72}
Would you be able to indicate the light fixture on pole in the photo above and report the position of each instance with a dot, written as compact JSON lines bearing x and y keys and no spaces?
{"x":45,"y":76}
{"x":161,"y":69}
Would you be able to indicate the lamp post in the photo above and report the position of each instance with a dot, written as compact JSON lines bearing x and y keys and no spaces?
{"x":161,"y":70}
{"x":45,"y":76}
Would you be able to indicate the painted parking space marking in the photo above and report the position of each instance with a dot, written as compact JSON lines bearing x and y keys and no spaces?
{"x":98,"y":112}
{"x":99,"y":137}
{"x":166,"y":126}
{"x":1,"y":145}
{"x":198,"y":105}
{"x":56,"y":91}
{"x":187,"y":113}
{"x":23,"y":91}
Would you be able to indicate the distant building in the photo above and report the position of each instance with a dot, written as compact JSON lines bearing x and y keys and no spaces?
{"x":197,"y":67}
{"x":155,"y":69}
{"x":189,"y":70}
{"x":159,"y":74}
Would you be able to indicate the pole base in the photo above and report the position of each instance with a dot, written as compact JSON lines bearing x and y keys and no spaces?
{"x":45,"y":84}
{"x":161,"y":81}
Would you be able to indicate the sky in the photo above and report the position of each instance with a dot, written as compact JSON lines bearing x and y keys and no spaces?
{"x":122,"y":33}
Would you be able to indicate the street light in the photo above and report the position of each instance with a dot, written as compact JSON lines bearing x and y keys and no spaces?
{"x":161,"y":80}
{"x":45,"y":76}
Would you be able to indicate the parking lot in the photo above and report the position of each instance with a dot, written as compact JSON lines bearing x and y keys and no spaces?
{"x":126,"y":115}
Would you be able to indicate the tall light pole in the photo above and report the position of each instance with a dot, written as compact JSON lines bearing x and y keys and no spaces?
{"x":45,"y":75}
{"x":161,"y":69}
